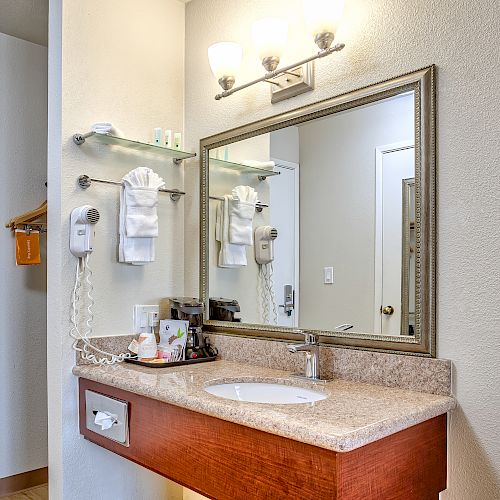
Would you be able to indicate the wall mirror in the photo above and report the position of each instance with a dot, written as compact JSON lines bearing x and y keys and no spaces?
{"x":341,"y":240}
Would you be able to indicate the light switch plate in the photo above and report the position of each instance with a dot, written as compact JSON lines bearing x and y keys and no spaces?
{"x":328,"y":275}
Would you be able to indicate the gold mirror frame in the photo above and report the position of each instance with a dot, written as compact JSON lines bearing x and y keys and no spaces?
{"x":423,"y":343}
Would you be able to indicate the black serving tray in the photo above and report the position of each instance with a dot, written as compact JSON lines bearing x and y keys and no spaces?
{"x":149,"y":364}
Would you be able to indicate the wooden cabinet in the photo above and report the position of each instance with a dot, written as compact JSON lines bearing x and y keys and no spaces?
{"x":227,"y":461}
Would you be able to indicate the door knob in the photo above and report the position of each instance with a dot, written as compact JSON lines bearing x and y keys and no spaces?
{"x":388,"y":310}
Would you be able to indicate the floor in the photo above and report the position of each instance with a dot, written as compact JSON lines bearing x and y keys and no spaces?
{"x":38,"y":493}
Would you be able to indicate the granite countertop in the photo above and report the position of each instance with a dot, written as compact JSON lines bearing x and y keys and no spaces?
{"x":353,"y":414}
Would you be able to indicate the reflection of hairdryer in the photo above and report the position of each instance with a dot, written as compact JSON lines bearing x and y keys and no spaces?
{"x":264,"y":238}
{"x":83,"y":220}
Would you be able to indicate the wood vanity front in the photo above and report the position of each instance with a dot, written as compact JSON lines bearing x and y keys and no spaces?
{"x":227,"y":461}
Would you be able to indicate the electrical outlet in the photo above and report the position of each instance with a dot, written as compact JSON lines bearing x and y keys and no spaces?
{"x":140,"y":317}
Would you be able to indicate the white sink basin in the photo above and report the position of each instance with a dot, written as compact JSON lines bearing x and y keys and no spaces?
{"x":262,"y":392}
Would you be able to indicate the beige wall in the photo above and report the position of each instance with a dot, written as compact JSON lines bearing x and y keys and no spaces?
{"x":337,"y":213}
{"x":23,"y":160}
{"x":385,"y":39}
{"x":119,"y":61}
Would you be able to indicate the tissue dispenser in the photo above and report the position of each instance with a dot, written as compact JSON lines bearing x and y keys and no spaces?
{"x":98,"y":407}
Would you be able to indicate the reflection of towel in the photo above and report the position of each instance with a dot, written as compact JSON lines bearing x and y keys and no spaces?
{"x":138,"y":216}
{"x":230,"y":255}
{"x":241,"y":213}
{"x":268,"y":165}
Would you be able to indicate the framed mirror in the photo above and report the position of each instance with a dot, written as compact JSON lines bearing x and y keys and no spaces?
{"x":323,"y":219}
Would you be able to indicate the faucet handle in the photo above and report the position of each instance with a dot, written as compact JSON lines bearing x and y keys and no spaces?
{"x":309,"y":337}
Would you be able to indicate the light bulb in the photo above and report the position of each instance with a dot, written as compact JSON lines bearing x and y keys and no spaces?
{"x":322,"y":18}
{"x":269,"y":37}
{"x":225,"y":60}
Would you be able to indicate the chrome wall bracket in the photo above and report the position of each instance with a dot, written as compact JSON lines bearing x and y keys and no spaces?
{"x":293,"y":82}
{"x":79,"y":139}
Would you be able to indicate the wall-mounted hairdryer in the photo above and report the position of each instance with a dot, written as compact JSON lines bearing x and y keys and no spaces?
{"x":83,"y":220}
{"x":264,"y":243}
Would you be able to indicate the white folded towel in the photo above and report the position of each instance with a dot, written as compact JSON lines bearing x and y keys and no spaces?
{"x":142,"y":218}
{"x":241,"y":214}
{"x":229,"y":255}
{"x":138,"y":216}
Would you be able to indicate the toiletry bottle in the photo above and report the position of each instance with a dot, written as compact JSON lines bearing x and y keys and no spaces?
{"x":148,"y":347}
{"x":157,"y":136}
{"x":168,"y":138}
{"x":177,"y":140}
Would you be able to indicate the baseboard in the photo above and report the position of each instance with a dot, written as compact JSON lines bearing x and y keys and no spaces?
{"x":12,"y":484}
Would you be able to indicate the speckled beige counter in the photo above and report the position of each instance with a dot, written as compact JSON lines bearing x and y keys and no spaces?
{"x":353,"y":414}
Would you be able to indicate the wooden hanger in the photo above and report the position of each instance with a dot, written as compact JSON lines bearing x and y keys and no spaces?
{"x":29,"y":218}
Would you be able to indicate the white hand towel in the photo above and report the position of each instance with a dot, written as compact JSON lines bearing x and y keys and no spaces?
{"x":142,"y":218}
{"x":229,"y":255}
{"x":138,"y":216}
{"x":241,"y":214}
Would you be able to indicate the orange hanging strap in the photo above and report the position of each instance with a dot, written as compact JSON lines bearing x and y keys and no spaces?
{"x":27,"y":247}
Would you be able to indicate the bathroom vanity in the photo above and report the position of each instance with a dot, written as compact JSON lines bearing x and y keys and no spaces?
{"x":361,"y":441}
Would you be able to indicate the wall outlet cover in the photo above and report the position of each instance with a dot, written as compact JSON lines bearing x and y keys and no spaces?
{"x":140,"y":316}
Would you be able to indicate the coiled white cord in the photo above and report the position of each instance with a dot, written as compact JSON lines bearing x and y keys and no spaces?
{"x":265,"y":289}
{"x":83,"y":271}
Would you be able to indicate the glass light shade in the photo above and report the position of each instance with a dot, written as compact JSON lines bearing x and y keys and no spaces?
{"x":269,"y":37}
{"x":323,"y":16}
{"x":224,"y":59}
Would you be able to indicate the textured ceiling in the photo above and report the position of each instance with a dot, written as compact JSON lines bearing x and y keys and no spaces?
{"x":26,"y":19}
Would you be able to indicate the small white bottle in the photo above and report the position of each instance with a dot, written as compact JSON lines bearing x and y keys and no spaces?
{"x":168,"y":138}
{"x":148,"y":348}
{"x":157,"y":136}
{"x":178,"y":140}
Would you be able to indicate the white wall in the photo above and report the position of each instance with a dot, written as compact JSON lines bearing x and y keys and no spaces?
{"x":285,"y":144}
{"x":337,"y":215}
{"x":23,"y":137}
{"x":385,"y":39}
{"x":119,"y":61}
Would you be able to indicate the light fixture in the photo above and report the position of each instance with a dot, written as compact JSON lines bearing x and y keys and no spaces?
{"x":225,"y":61}
{"x":322,"y":19}
{"x":269,"y":37}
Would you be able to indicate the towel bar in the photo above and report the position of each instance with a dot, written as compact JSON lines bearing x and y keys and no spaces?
{"x":84,"y":181}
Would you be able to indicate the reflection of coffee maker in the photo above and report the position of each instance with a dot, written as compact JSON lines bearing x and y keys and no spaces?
{"x":223,"y":309}
{"x":191,"y":309}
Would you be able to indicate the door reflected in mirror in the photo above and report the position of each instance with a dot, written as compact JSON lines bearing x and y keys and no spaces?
{"x":313,"y":226}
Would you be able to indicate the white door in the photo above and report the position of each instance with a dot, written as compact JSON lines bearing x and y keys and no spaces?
{"x":394,"y":163}
{"x":284,"y":193}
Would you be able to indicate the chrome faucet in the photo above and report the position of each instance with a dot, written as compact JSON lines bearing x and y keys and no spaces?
{"x":311,"y":348}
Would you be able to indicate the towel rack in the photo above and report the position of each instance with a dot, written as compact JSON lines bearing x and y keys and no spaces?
{"x":259,"y":206}
{"x":84,"y":181}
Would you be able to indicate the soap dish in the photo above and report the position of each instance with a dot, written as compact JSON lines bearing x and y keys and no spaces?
{"x":166,"y":364}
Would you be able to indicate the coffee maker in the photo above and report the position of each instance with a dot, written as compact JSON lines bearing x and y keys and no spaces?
{"x":191,"y":309}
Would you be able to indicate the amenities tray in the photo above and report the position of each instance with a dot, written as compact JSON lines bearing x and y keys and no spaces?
{"x":156,"y":364}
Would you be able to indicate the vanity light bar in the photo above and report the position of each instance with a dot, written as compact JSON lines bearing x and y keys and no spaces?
{"x":278,"y":72}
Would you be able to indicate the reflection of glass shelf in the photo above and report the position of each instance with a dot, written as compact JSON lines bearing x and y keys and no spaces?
{"x":113,"y":140}
{"x":242,"y":169}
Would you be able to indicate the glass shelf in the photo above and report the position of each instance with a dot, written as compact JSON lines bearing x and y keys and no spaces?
{"x":113,"y":140}
{"x":243,"y":169}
